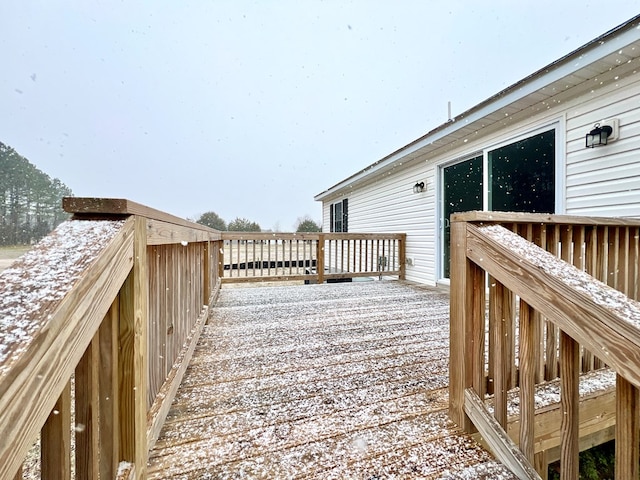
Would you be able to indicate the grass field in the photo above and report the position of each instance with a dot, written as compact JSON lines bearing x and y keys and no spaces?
{"x":9,"y":254}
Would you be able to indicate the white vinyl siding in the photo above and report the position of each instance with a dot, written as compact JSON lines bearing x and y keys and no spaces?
{"x":390,"y":206}
{"x":605,"y":181}
{"x":601,"y":181}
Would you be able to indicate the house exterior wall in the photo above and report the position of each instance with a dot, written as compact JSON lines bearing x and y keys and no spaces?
{"x":603,"y":181}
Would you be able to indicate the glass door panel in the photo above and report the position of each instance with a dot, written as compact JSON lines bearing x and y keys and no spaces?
{"x":462,"y":192}
{"x":522,"y":175}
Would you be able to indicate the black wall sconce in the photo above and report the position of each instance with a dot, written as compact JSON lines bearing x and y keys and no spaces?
{"x":418,"y":187}
{"x":602,"y":133}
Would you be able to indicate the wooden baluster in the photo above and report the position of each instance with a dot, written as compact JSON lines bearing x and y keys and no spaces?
{"x":18,"y":475}
{"x":552,"y":331}
{"x":627,"y":430}
{"x":477,"y":294}
{"x":499,"y":349}
{"x":624,"y":259}
{"x":613,"y":262}
{"x":55,"y":440}
{"x":528,"y":360}
{"x":570,"y":402}
{"x":108,"y":385}
{"x":87,"y":405}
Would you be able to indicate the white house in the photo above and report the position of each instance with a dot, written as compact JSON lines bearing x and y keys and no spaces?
{"x":524,"y":149}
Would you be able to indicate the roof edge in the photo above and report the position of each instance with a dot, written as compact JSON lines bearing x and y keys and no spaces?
{"x":488,"y":106}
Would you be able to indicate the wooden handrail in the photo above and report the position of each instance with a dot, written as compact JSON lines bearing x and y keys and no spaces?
{"x":312,"y":257}
{"x":586,"y":312}
{"x":105,"y":300}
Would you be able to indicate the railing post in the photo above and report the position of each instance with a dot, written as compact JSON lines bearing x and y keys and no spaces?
{"x":460,"y":325}
{"x":320,"y":259}
{"x":132,"y":367}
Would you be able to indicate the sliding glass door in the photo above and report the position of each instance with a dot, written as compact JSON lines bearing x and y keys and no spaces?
{"x":517,"y":177}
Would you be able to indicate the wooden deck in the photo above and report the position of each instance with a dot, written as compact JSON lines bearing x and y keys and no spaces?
{"x":320,"y":381}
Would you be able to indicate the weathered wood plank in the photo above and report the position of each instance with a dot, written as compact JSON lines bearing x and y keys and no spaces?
{"x":627,"y":430}
{"x":476,"y":293}
{"x":570,"y":403}
{"x":55,"y":440}
{"x":597,"y":415}
{"x":108,"y":384}
{"x":527,"y":381}
{"x":96,"y":207}
{"x":499,"y":341}
{"x":320,"y":259}
{"x":540,"y":218}
{"x":459,"y":326}
{"x":86,"y":410}
{"x":133,"y":356}
{"x":501,"y":445}
{"x":163,"y":233}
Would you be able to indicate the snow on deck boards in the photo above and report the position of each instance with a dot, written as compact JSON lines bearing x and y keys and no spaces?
{"x":326,"y":381}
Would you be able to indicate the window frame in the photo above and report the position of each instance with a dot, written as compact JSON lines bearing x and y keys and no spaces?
{"x":341,"y":219}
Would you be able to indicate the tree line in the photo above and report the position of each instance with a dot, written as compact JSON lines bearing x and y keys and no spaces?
{"x":215,"y":221}
{"x":30,"y":200}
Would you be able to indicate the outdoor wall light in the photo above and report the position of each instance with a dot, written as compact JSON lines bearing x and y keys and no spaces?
{"x":602,"y":133}
{"x":418,"y":187}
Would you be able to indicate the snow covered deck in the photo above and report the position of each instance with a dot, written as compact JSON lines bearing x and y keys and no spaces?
{"x":320,"y":381}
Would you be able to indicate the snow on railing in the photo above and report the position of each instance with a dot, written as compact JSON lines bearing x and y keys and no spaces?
{"x":97,"y":324}
{"x":560,"y":289}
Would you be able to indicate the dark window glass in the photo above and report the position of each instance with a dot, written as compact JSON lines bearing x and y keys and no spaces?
{"x":337,"y":217}
{"x":522,"y":175}
{"x":462,"y":193}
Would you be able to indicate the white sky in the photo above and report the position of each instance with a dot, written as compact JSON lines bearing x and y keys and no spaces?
{"x":250,"y":108}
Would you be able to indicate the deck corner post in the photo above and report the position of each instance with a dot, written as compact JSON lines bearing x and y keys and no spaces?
{"x":132,"y":359}
{"x":460,"y":339}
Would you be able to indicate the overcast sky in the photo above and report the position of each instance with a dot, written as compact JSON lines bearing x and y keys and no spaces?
{"x":249,"y":109}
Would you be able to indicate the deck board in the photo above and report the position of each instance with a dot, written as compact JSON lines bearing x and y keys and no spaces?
{"x":320,"y":381}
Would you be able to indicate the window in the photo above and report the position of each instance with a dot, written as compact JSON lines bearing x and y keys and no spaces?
{"x":339,"y":215}
{"x":517,"y":177}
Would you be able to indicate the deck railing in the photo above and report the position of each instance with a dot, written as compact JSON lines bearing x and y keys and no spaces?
{"x":313,"y":257}
{"x":103,"y":314}
{"x":560,"y":302}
